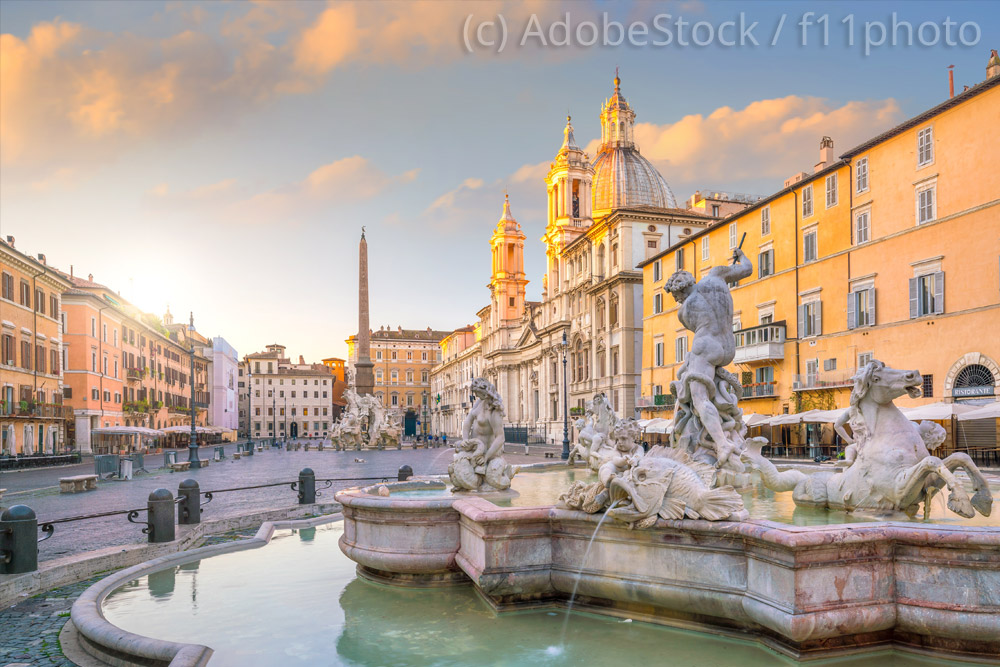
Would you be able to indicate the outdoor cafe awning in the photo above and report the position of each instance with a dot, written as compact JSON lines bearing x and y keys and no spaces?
{"x":988,"y":411}
{"x":197,"y":429}
{"x":126,"y":430}
{"x":936,"y":411}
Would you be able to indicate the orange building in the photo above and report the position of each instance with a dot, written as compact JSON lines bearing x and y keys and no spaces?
{"x":889,"y":252}
{"x":33,"y":418}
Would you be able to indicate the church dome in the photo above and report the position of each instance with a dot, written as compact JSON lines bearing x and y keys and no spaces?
{"x":622,"y":177}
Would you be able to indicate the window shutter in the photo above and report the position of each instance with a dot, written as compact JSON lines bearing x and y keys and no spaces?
{"x":760,"y":265}
{"x":801,"y":330}
{"x":914,"y":299}
{"x":852,"y":320}
{"x":871,"y":306}
{"x":939,"y":292}
{"x":818,"y":319}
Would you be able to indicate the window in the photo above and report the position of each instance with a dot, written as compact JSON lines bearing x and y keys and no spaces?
{"x":395,"y":400}
{"x":8,"y":287}
{"x":423,"y":356}
{"x":40,"y":301}
{"x":807,"y":201}
{"x":680,"y":348}
{"x":657,"y":303}
{"x":862,"y":228}
{"x":510,"y":302}
{"x":829,"y":364}
{"x":928,"y":386}
{"x":378,"y":354}
{"x":424,"y":376}
{"x":704,"y":248}
{"x":831,"y":190}
{"x":864,"y":358}
{"x":7,"y":351}
{"x":861,"y":175}
{"x":765,"y":221}
{"x":658,"y":353}
{"x":926,"y":204}
{"x":680,"y":258}
{"x":925,"y":146}
{"x":809,"y":250}
{"x":732,"y":235}
{"x":715,"y":210}
{"x":40,"y":358}
{"x":25,"y":294}
{"x":393,"y":355}
{"x":765,"y":263}
{"x":614,"y":360}
{"x":812,"y":372}
{"x":861,"y":308}
{"x":651,"y":243}
{"x":657,"y":271}
{"x":927,"y":295}
{"x":810,"y":319}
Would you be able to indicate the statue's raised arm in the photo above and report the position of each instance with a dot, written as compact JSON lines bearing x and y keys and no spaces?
{"x":740,"y":269}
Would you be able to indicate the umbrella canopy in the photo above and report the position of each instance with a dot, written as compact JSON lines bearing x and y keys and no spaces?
{"x":659,"y":425}
{"x":187,"y":429}
{"x":11,"y":441}
{"x":988,"y":411}
{"x":825,"y":416}
{"x":126,"y":430}
{"x":753,"y":419}
{"x":784,"y":420}
{"x":936,"y":411}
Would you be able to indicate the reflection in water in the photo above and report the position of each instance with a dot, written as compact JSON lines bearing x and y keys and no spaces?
{"x":162,"y":583}
{"x":301,"y":603}
{"x":307,"y":534}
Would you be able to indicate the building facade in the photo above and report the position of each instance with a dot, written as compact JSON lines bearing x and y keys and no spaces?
{"x":286,"y":400}
{"x":223,"y":367}
{"x":451,"y":380}
{"x":33,"y":418}
{"x":890,"y":252}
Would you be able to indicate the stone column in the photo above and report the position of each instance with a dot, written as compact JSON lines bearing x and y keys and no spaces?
{"x":364,"y":378}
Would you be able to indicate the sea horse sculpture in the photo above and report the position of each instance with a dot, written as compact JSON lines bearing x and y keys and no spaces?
{"x":893,"y":469}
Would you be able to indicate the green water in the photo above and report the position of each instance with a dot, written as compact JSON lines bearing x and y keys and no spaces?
{"x":298,"y":601}
{"x":537,"y":489}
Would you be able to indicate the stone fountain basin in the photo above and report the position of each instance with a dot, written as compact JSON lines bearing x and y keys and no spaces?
{"x":805,"y":591}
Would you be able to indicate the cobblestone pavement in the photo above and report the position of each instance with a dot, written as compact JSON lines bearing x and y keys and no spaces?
{"x":272,"y":465}
{"x":30,"y":629}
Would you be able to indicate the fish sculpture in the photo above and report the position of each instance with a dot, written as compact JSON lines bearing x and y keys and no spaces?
{"x":667,"y":483}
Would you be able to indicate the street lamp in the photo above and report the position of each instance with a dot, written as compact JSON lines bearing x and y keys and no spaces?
{"x":274,"y":418}
{"x":565,"y":451}
{"x":284,"y":435}
{"x":193,"y":439}
{"x":249,"y":405}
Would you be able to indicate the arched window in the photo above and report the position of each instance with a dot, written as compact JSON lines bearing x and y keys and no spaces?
{"x":600,"y":261}
{"x":613,"y":311}
{"x":973,"y":375}
{"x":578,"y":371}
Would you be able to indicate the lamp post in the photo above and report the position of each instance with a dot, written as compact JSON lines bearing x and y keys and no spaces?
{"x":249,"y":405}
{"x":193,"y":438}
{"x":285,"y":427}
{"x":565,"y":451}
{"x":274,"y":418}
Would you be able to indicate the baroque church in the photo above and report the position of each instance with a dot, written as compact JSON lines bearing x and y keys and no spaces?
{"x":605,"y":215}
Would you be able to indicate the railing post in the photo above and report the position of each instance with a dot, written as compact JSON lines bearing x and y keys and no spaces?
{"x":160,"y":516}
{"x":18,"y":540}
{"x":189,"y":507}
{"x":307,"y":487}
{"x":405,"y":473}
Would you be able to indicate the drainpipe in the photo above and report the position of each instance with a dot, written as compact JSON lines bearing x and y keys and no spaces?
{"x":34,"y":339}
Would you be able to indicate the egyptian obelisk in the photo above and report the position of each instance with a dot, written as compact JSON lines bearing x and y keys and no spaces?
{"x":364,"y":379}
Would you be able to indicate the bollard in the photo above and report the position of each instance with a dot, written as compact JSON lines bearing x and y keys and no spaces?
{"x":160,"y":518}
{"x":405,"y":473}
{"x":189,"y":507}
{"x":307,"y":487}
{"x":249,"y":449}
{"x":18,"y":540}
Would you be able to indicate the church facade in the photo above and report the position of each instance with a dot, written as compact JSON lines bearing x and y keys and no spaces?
{"x":605,"y":217}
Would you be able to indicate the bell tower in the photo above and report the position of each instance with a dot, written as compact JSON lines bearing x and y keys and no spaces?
{"x":507,"y":282}
{"x":569,"y":184}
{"x":617,"y":120}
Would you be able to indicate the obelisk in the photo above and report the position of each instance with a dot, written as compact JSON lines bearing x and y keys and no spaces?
{"x":364,"y":378}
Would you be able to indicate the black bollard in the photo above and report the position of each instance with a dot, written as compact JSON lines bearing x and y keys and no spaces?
{"x":18,"y":540}
{"x":307,"y":487}
{"x":160,"y":518}
{"x":189,"y":507}
{"x":405,"y":473}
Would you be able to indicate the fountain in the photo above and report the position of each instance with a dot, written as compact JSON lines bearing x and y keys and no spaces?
{"x":681,"y":548}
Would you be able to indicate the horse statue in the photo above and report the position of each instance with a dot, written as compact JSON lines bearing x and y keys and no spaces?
{"x":602,"y":420}
{"x":892,"y":468}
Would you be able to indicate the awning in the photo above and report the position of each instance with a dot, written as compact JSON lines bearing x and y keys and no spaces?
{"x":988,"y":411}
{"x":752,"y":419}
{"x":936,"y":411}
{"x":659,"y":425}
{"x":126,"y":430}
{"x":197,"y":429}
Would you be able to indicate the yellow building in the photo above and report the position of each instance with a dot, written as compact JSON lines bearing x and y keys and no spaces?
{"x":891,"y":252}
{"x":403,"y":361}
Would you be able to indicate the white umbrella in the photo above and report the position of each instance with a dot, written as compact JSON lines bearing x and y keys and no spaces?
{"x":11,"y":440}
{"x":936,"y":411}
{"x":29,"y":445}
{"x":660,"y":426}
{"x":754,"y":419}
{"x":785,"y":420}
{"x":988,"y":411}
{"x":824,"y":416}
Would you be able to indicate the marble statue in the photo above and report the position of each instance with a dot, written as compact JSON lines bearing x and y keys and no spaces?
{"x":593,"y":445}
{"x":347,"y":431}
{"x":667,"y":483}
{"x":478,"y":464}
{"x":708,"y":423}
{"x":892,"y":469}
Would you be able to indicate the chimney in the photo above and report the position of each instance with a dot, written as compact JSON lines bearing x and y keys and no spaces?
{"x":302,"y":361}
{"x":825,"y":154}
{"x":10,"y":241}
{"x":992,"y":65}
{"x":90,"y":277}
{"x":951,"y":81}
{"x":41,"y":258}
{"x":70,"y":270}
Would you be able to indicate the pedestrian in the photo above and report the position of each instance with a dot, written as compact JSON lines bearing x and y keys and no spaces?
{"x":444,"y":439}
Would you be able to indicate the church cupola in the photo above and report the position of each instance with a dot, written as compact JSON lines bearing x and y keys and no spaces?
{"x":507,"y":282}
{"x":617,"y":120}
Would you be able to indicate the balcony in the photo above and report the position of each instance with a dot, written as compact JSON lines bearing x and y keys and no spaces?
{"x":134,"y":374}
{"x":657,"y":402}
{"x":765,"y":342}
{"x":824,"y":380}
{"x":760,"y":390}
{"x":29,"y":410}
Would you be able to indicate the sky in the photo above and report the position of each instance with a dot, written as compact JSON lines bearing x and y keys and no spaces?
{"x":222,"y":157}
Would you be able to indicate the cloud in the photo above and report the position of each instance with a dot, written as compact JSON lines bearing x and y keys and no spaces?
{"x":447,"y":200}
{"x":772,"y":138}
